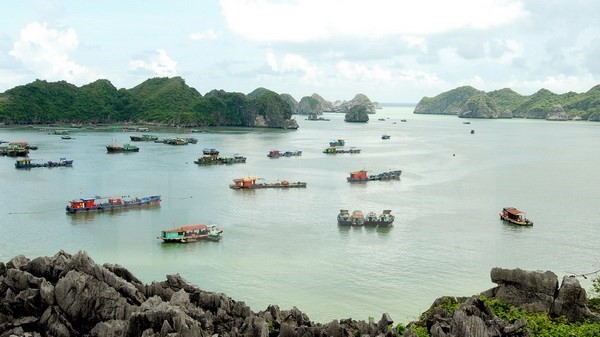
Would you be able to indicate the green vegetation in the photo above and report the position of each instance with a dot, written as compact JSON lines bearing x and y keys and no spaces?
{"x":542,"y":324}
{"x":167,"y":101}
{"x":539,"y":105}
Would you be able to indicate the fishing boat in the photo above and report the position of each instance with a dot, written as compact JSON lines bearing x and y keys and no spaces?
{"x":210,"y":152}
{"x":66,"y":137}
{"x":277,"y":154}
{"x":16,"y":149}
{"x":175,"y":141}
{"x":515,"y":216}
{"x":27,"y":163}
{"x":191,"y":140}
{"x":216,"y":160}
{"x":313,"y":117}
{"x":346,"y":219}
{"x":357,"y":218}
{"x":337,"y":142}
{"x":110,"y":203}
{"x":384,"y":219}
{"x":363,"y":175}
{"x":113,"y":148}
{"x":335,"y":150}
{"x":191,"y":233}
{"x":250,"y":183}
{"x":385,"y":137}
{"x":143,"y":138}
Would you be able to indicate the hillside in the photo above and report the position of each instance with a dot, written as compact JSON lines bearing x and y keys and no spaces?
{"x":544,"y":104}
{"x":167,"y":101}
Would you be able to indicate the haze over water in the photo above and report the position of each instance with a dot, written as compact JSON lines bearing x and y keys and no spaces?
{"x":284,"y":247}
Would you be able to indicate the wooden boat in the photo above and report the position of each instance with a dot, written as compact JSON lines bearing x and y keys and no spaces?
{"x":385,"y":137}
{"x":357,"y":218}
{"x":210,"y":152}
{"x":515,"y":216}
{"x":337,"y":142}
{"x":335,"y":150}
{"x":16,"y":149}
{"x":363,"y":175}
{"x":345,"y":219}
{"x":26,"y":163}
{"x":277,"y":154}
{"x":191,"y":233}
{"x":143,"y":138}
{"x":113,"y":148}
{"x":110,"y":203}
{"x":215,"y":160}
{"x":250,"y":183}
{"x":191,"y":140}
{"x":176,"y":141}
{"x":384,"y":219}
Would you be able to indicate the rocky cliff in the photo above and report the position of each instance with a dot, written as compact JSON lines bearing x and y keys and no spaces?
{"x":70,"y":295}
{"x":357,"y":114}
{"x":447,"y":103}
{"x":479,"y":106}
{"x":315,"y":104}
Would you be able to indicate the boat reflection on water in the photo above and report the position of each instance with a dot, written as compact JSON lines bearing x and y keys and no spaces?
{"x":82,"y":217}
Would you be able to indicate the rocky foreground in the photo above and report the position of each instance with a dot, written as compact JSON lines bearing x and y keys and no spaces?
{"x":71,"y":295}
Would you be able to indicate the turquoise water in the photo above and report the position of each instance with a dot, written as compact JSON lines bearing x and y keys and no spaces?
{"x":284,"y":246}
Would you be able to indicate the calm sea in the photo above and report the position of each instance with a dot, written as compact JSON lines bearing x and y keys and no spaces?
{"x":284,"y":246}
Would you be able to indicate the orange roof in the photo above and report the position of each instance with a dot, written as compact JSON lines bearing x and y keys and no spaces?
{"x":514,"y":211}
{"x":187,"y":228}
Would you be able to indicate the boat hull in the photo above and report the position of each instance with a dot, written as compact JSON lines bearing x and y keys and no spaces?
{"x":136,"y":203}
{"x":515,"y":222}
{"x":273,"y":185}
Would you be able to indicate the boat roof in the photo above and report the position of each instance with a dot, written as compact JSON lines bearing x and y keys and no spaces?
{"x":513,"y":210}
{"x":186,"y":228}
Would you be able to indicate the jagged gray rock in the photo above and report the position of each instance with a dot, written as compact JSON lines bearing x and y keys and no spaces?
{"x":70,"y":295}
{"x":357,"y":114}
{"x":531,"y":290}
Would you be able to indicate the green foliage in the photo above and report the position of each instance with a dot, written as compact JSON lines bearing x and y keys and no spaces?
{"x":163,"y":100}
{"x":542,"y":324}
{"x":507,"y":99}
{"x":449,"y":102}
{"x":420,"y":330}
{"x":400,"y":329}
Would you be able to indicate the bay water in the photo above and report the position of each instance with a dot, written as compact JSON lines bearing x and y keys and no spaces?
{"x":284,"y":247}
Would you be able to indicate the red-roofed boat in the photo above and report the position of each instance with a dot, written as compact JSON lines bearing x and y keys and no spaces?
{"x":100,"y":204}
{"x":515,"y":216}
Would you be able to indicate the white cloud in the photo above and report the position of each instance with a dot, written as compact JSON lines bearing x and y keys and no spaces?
{"x":46,"y":52}
{"x":351,"y":70}
{"x":308,"y":20}
{"x":421,"y":77}
{"x":205,"y":35}
{"x":291,"y":63}
{"x":161,"y":64}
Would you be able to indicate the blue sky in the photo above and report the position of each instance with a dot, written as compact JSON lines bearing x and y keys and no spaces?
{"x":390,"y":50}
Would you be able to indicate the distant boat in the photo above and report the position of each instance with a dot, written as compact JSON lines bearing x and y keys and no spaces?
{"x":357,"y":218}
{"x":381,"y":119}
{"x":466,"y":122}
{"x":191,"y":233}
{"x":26,"y":163}
{"x":176,"y":141}
{"x":216,"y":160}
{"x":110,"y":203}
{"x":403,"y":120}
{"x":472,"y":131}
{"x":363,"y":175}
{"x":335,"y":150}
{"x":515,"y":216}
{"x":337,"y":142}
{"x":210,"y":152}
{"x":113,"y":148}
{"x":277,"y":154}
{"x":143,"y":138}
{"x":385,"y":137}
{"x":66,"y":137}
{"x":250,"y":183}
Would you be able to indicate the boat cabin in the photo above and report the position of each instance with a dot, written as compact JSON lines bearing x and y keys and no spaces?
{"x":358,"y":175}
{"x":83,"y":203}
{"x":386,"y":215}
{"x":245,"y":182}
{"x":115,"y":201}
{"x":514,"y":214}
{"x":183,"y":232}
{"x":274,"y":153}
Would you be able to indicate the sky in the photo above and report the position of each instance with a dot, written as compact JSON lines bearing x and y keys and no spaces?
{"x":390,"y":50}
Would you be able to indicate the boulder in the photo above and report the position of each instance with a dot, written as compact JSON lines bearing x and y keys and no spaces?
{"x":531,"y":290}
{"x":571,"y":301}
{"x":357,"y":114}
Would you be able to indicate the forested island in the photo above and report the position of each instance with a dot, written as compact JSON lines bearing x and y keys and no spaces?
{"x":163,"y":101}
{"x":468,"y":102}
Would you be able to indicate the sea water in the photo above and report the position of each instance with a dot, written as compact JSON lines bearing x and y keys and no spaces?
{"x":284,"y":247}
